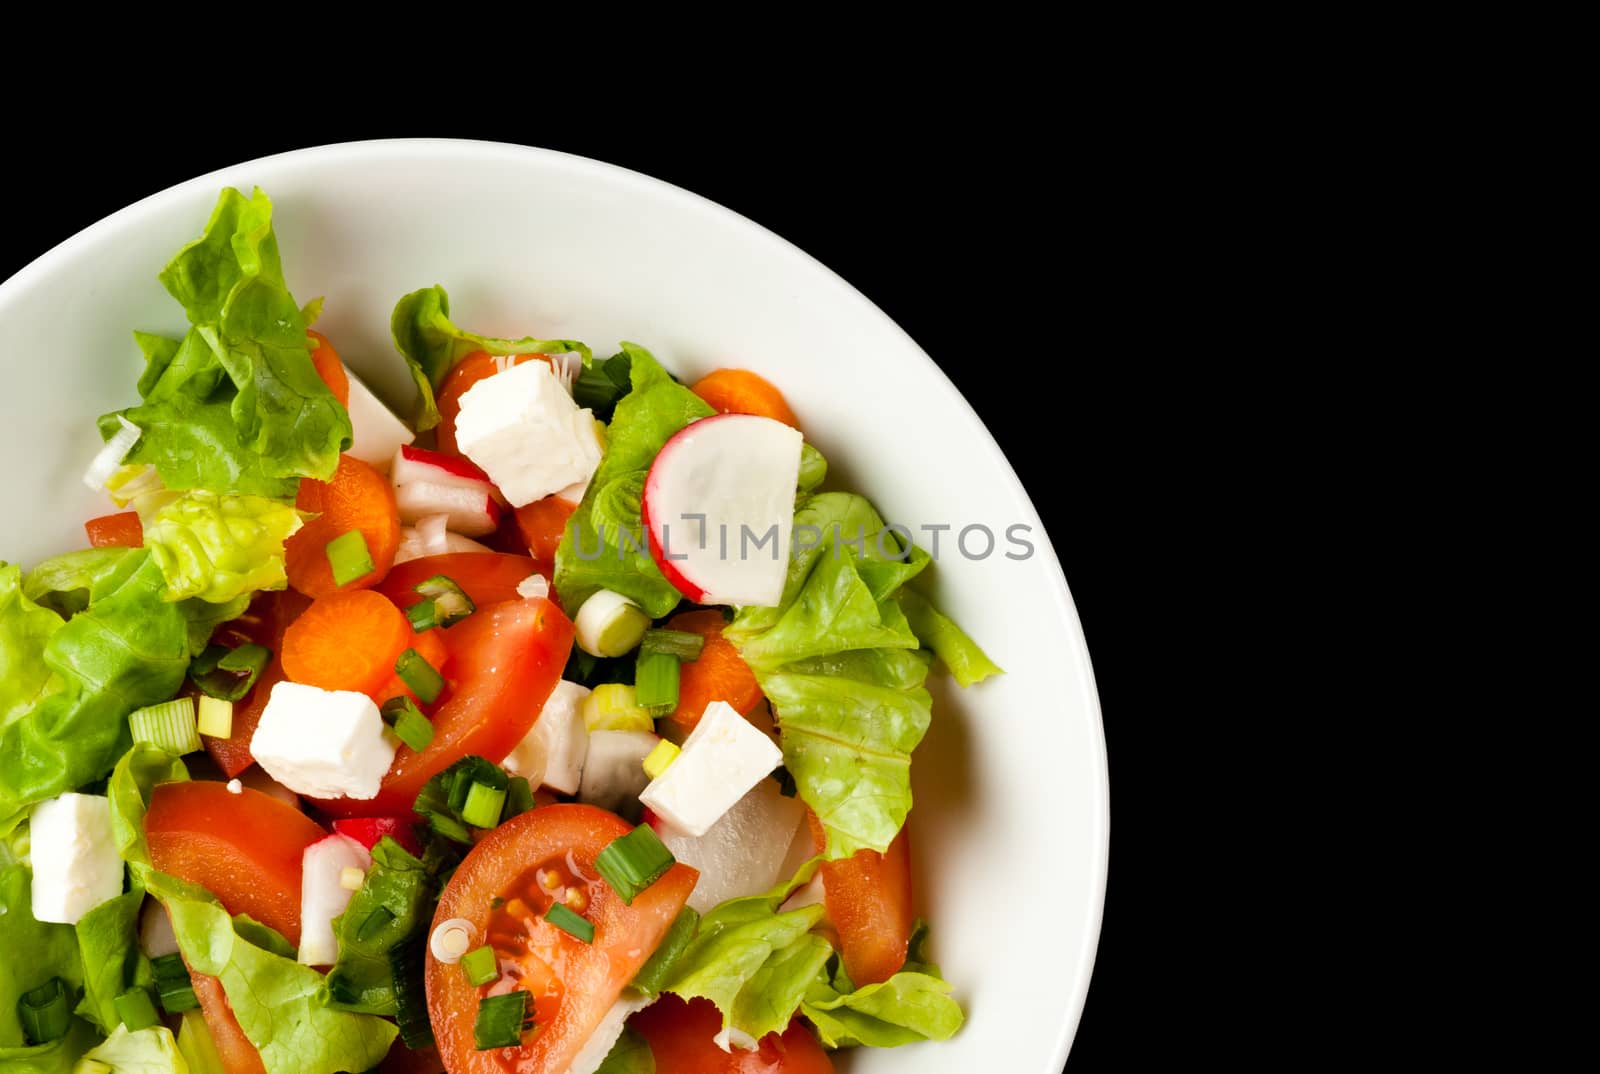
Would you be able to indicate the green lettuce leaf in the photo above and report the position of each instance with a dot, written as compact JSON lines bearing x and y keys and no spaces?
{"x":618,"y":558}
{"x":235,"y":406}
{"x":217,"y":548}
{"x":958,"y":652}
{"x":129,"y":787}
{"x":431,"y":345}
{"x":64,"y":583}
{"x":274,"y":998}
{"x":25,"y":629}
{"x":34,"y":952}
{"x":753,"y":962}
{"x":630,"y":1055}
{"x":128,"y":649}
{"x":392,"y":905}
{"x":61,"y":1057}
{"x":149,"y":1051}
{"x":906,"y":1008}
{"x":108,"y":939}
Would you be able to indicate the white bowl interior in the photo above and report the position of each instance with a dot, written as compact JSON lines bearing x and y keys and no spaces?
{"x":1011,"y":821}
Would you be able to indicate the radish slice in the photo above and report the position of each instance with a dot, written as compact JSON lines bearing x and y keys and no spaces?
{"x":323,"y":895}
{"x":744,"y":852}
{"x":718,"y":505}
{"x":109,"y":457}
{"x":430,"y":538}
{"x":434,"y":534}
{"x":469,"y":510}
{"x":156,"y":937}
{"x":412,"y":464}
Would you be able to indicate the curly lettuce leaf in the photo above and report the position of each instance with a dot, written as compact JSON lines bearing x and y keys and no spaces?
{"x":149,"y":1051}
{"x":217,"y":548}
{"x":108,"y":937}
{"x":34,"y":952}
{"x":906,"y":1008}
{"x":25,"y":629}
{"x":955,"y":649}
{"x":607,"y":549}
{"x":275,"y":999}
{"x":132,"y":780}
{"x":399,"y":893}
{"x":236,"y":405}
{"x":630,"y":1055}
{"x":128,"y":649}
{"x":431,"y":344}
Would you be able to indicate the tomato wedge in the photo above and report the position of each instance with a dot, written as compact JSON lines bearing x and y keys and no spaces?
{"x":542,"y":524}
{"x":681,"y":1038}
{"x":486,"y":577}
{"x":868,"y":896}
{"x":238,"y":1055}
{"x":263,"y":623}
{"x":504,"y":661}
{"x":115,"y":531}
{"x":244,"y":848}
{"x":467,"y":372}
{"x":529,"y":861}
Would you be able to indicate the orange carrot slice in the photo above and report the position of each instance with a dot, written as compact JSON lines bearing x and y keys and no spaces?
{"x":346,"y":641}
{"x":115,"y":531}
{"x":719,"y":673}
{"x":739,"y":391}
{"x":358,"y":497}
{"x":329,"y":367}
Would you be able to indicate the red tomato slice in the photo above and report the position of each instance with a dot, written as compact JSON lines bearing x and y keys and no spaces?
{"x":868,"y":896}
{"x":543,"y":523}
{"x":369,"y":830}
{"x":486,"y":577}
{"x":526,"y":862}
{"x":681,"y":1037}
{"x":244,"y":848}
{"x":238,"y":1055}
{"x":268,"y":616}
{"x":504,"y":661}
{"x":115,"y":531}
{"x":467,"y":372}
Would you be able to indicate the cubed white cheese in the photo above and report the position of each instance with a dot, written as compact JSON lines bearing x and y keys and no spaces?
{"x":75,"y":861}
{"x":608,"y":1032}
{"x":722,"y":759}
{"x":552,"y":754}
{"x":526,"y":433}
{"x":590,"y":429}
{"x":378,"y":434}
{"x":743,"y":853}
{"x":323,"y":743}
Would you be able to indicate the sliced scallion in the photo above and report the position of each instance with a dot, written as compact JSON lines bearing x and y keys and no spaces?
{"x":480,"y":966}
{"x":655,"y":679}
{"x":660,"y":759}
{"x":215,"y":718}
{"x":519,"y":798}
{"x":421,"y":676}
{"x":169,"y":726}
{"x":173,"y":986}
{"x":349,"y":557}
{"x":683,"y":644}
{"x":45,"y":1012}
{"x":570,"y":923}
{"x":228,"y":674}
{"x":501,"y":1021}
{"x":412,"y":727}
{"x":631,"y":863}
{"x":614,"y":706}
{"x":136,"y":1010}
{"x":483,"y":805}
{"x":447,"y":603}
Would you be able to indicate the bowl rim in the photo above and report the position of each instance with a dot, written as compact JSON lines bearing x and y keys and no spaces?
{"x":47,"y":262}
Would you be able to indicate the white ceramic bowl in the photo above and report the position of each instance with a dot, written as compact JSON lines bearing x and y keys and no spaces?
{"x":1011,"y":821}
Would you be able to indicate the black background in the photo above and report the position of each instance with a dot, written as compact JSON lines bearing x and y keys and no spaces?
{"x":1001,"y":264}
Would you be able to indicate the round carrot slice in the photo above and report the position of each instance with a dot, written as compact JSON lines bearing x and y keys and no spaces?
{"x":719,"y":673}
{"x":346,"y":641}
{"x":739,"y":391}
{"x":357,"y":498}
{"x":329,"y":367}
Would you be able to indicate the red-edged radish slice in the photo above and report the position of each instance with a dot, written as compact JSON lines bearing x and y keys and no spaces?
{"x":470,"y":510}
{"x":324,"y":896}
{"x":429,"y":537}
{"x":718,"y":505}
{"x":412,"y":464}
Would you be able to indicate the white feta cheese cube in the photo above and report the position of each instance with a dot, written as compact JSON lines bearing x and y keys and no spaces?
{"x":552,"y":754}
{"x":590,"y":430}
{"x":722,"y":759}
{"x":377,"y":433}
{"x":323,"y":743}
{"x":75,"y":862}
{"x":526,"y":433}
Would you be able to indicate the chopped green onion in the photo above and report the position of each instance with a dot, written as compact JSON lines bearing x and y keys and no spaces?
{"x":480,"y":966}
{"x":683,"y":644}
{"x":349,"y":557}
{"x":136,"y":1010}
{"x":169,"y":726}
{"x":173,"y":986}
{"x":609,"y":624}
{"x":653,"y":976}
{"x":408,"y":722}
{"x":423,"y":616}
{"x":519,"y":798}
{"x":45,"y":1013}
{"x":216,"y":717}
{"x":656,"y":683}
{"x":410,"y":998}
{"x":415,"y":671}
{"x":631,"y":863}
{"x":660,"y":759}
{"x":614,"y":706}
{"x":229,"y":674}
{"x":483,"y":806}
{"x":501,"y":1021}
{"x":447,"y":603}
{"x":570,"y":923}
